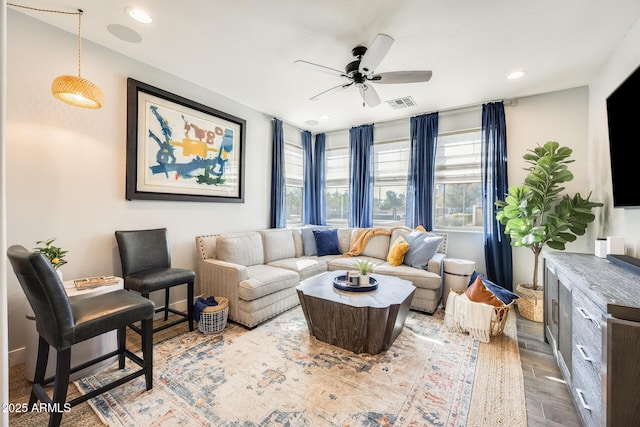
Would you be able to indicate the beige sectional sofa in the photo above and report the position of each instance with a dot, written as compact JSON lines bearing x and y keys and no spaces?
{"x":258,"y":271}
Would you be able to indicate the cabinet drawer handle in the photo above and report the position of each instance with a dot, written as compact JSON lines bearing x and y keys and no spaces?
{"x":588,"y":316}
{"x":583,"y":353}
{"x":554,"y":311}
{"x":582,"y":401}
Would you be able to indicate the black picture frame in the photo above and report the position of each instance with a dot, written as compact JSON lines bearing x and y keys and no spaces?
{"x":181,"y":150}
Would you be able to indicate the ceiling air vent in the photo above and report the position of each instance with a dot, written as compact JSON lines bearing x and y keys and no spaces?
{"x":405,"y":102}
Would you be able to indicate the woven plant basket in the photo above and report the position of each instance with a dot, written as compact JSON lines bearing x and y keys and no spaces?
{"x":530,"y":303}
{"x":214,"y":319}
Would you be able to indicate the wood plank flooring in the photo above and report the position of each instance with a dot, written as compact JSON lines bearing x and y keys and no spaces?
{"x":548,"y":399}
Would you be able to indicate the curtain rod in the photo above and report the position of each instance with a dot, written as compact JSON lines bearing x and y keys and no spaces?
{"x":284,"y":122}
{"x":507,"y":102}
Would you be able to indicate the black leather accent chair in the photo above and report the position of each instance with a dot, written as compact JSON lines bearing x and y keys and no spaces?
{"x":146,"y":267}
{"x":61,"y":324}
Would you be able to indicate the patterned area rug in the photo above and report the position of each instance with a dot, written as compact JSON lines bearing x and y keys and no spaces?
{"x":277,"y":375}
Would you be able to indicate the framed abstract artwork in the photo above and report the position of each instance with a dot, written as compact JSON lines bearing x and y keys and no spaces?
{"x":178,"y":149}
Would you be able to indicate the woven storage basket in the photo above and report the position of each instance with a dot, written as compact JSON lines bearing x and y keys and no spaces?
{"x":214,"y":319}
{"x":497,"y":324}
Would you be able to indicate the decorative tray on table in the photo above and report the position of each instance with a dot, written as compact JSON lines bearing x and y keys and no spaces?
{"x":94,"y":282}
{"x":340,"y":282}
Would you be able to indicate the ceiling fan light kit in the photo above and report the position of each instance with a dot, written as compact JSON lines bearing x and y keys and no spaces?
{"x":360,"y":71}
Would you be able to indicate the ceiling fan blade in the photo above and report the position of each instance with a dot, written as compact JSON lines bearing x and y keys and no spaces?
{"x":402,"y":77}
{"x":375,"y":53}
{"x":369,"y":95}
{"x":321,"y":68}
{"x":332,"y":90}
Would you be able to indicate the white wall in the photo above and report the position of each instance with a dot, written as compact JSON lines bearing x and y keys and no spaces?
{"x":612,"y":222}
{"x":66,"y":165}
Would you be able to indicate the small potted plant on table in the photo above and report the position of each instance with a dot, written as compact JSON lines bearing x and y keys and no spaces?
{"x":54,"y":254}
{"x":364,"y":268}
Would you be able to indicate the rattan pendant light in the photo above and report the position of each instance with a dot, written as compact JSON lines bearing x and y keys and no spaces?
{"x":73,"y":90}
{"x":76,"y":90}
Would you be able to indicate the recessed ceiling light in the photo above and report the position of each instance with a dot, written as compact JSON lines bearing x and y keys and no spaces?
{"x":312,"y":122}
{"x":139,"y":15}
{"x":325,"y":117}
{"x":516,"y":74}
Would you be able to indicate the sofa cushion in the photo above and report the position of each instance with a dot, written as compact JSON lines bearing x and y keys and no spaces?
{"x":309,"y":240}
{"x":422,"y":247}
{"x":399,"y":232}
{"x":278,"y":244}
{"x":251,"y":313}
{"x":327,"y":242}
{"x":344,"y":239}
{"x":240,"y":248}
{"x":297,"y":241}
{"x":421,"y":279}
{"x":377,"y":246}
{"x":348,"y":263}
{"x":264,"y":280}
{"x":305,"y":266}
{"x":397,"y":251}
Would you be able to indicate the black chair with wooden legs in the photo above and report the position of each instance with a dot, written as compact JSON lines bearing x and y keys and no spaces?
{"x":146,"y":267}
{"x":61,"y":324}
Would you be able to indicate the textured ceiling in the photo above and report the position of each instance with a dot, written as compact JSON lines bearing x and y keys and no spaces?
{"x":245,"y":50}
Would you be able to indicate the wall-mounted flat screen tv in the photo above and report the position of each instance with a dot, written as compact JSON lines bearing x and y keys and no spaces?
{"x":623,"y":114}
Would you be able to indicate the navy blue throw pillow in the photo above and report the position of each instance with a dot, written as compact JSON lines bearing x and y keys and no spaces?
{"x":309,"y":240}
{"x":327,"y":241}
{"x":504,"y":295}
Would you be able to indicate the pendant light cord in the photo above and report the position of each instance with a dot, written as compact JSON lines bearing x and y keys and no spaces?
{"x":79,"y":39}
{"x":79,"y":13}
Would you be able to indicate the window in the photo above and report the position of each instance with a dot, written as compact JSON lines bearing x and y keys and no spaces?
{"x":337,"y":179}
{"x":294,"y":176}
{"x":391,"y":163}
{"x":458,"y":187}
{"x":457,"y":192}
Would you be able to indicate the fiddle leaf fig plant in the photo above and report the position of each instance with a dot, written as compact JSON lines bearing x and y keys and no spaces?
{"x":537,"y":214}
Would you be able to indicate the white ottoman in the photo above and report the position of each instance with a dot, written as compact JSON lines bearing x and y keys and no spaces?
{"x":457,"y":273}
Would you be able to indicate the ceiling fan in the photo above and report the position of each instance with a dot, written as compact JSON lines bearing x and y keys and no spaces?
{"x":360,"y":72}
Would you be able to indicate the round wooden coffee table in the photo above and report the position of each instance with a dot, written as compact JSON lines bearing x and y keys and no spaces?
{"x":362,"y":322}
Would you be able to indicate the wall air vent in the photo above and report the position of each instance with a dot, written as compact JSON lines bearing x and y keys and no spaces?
{"x":404,"y":102}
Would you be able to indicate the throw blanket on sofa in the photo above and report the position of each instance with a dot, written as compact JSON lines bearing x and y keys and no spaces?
{"x":468,"y":316}
{"x":362,"y":236}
